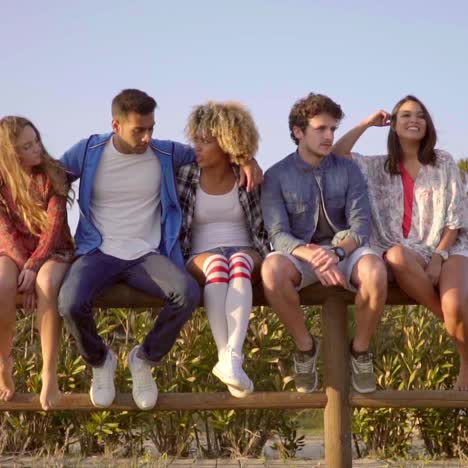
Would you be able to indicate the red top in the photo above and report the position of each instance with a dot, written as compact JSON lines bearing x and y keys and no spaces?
{"x":26,"y":250}
{"x":408,"y":194}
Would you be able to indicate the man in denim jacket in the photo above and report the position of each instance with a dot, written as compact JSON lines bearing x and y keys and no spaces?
{"x":317,"y":215}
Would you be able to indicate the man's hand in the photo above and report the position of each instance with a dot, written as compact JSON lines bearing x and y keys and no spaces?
{"x":331,"y":277}
{"x":251,"y":175}
{"x":26,"y":281}
{"x":320,"y":258}
{"x":380,"y":118}
{"x":433,"y":269}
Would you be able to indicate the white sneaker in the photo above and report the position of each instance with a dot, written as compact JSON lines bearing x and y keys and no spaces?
{"x":102,"y":391}
{"x":229,"y":370}
{"x":144,"y":388}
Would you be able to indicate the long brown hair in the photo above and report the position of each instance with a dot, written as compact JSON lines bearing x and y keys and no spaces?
{"x":17,"y":180}
{"x":426,"y":152}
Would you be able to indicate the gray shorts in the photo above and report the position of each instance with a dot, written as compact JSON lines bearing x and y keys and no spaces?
{"x":346,"y":267}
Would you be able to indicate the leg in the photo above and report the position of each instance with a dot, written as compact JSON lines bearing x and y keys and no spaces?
{"x":454,"y":298}
{"x":212,"y":270}
{"x":408,"y":269}
{"x":87,"y":277}
{"x":8,"y":283}
{"x":280,"y":279}
{"x":369,"y":275}
{"x":48,"y":282}
{"x":159,"y":276}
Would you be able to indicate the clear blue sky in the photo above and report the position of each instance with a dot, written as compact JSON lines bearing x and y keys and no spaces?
{"x":62,"y":62}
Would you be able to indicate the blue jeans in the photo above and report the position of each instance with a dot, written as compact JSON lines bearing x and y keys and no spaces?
{"x":154,"y":274}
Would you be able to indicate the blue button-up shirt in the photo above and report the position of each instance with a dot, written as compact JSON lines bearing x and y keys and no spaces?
{"x":293,"y":190}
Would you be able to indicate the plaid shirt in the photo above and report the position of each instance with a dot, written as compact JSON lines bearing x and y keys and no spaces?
{"x":188,"y":178}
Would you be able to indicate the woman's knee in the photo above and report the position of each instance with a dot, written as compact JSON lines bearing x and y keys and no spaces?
{"x":397,"y":256}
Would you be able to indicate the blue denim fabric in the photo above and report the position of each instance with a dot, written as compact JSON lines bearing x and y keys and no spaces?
{"x":291,"y":196}
{"x":155,"y":274}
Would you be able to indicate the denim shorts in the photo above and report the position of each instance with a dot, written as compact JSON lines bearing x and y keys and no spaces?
{"x":346,"y":267}
{"x":225,"y":251}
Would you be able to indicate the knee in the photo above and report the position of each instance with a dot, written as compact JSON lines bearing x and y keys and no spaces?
{"x":187,"y":294}
{"x":70,"y":304}
{"x":272,"y":273}
{"x":396,"y":256}
{"x":453,"y":307}
{"x":47,"y":287}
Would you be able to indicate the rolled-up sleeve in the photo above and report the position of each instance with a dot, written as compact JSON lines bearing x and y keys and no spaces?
{"x":275,"y":215}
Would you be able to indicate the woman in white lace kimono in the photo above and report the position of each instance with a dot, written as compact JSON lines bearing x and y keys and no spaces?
{"x":419,"y":216}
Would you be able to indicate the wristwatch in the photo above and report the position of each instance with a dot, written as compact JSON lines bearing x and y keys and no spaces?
{"x":339,"y":252}
{"x":443,"y":253}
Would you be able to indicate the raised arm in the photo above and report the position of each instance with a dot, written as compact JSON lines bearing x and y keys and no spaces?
{"x":345,"y":144}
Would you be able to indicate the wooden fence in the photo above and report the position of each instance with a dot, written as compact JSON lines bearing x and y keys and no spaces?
{"x":337,"y":397}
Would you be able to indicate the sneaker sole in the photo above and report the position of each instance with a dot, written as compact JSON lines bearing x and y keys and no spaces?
{"x":235,"y":392}
{"x":361,"y":390}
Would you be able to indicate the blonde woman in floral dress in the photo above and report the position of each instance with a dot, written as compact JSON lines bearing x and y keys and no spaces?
{"x":36,"y":247}
{"x":419,"y":216}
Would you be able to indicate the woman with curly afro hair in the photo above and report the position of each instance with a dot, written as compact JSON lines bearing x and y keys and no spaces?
{"x":223,"y":238}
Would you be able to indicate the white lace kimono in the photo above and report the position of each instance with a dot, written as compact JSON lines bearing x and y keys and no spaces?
{"x":439,"y":201}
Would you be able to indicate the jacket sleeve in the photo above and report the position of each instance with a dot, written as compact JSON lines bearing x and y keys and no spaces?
{"x":357,"y":209}
{"x":275,"y":216}
{"x":72,"y":160}
{"x":10,"y":240}
{"x":183,"y":154}
{"x":455,"y":196}
{"x":56,"y":217}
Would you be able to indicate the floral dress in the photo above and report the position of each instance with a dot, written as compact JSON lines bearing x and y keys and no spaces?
{"x":439,"y":201}
{"x":16,"y":241}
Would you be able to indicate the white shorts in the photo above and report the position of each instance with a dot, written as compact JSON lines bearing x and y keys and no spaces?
{"x":346,"y":267}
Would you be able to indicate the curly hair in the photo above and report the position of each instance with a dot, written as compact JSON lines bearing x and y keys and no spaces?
{"x":17,"y":180}
{"x":310,"y":106}
{"x":230,"y":123}
{"x":426,"y":152}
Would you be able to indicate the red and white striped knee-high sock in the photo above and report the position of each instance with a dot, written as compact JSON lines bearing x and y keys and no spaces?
{"x":239,"y":299}
{"x":216,"y":270}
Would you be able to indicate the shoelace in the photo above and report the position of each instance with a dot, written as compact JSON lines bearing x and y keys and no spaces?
{"x":366,"y":365}
{"x":304,"y":367}
{"x":144,"y":378}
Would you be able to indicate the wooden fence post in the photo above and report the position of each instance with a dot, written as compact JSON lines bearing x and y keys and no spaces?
{"x":337,"y":434}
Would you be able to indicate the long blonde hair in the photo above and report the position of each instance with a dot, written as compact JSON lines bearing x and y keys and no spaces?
{"x":12,"y":174}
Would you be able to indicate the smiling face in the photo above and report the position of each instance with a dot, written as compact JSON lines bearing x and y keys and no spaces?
{"x":29,"y":148}
{"x":410,"y":122}
{"x":316,"y":141}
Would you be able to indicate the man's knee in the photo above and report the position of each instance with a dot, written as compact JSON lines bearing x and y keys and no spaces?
{"x":187,"y":293}
{"x":372,"y":275}
{"x":275,"y":271}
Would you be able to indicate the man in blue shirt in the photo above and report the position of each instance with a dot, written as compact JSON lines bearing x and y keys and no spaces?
{"x":316,"y":211}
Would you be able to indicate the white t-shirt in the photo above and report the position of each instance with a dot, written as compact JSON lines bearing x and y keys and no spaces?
{"x":218,"y":221}
{"x":126,"y":203}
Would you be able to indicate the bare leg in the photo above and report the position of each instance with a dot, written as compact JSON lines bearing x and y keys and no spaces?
{"x":8,"y":284}
{"x":370,"y":277}
{"x":48,"y":282}
{"x":408,"y":269}
{"x":454,"y":298}
{"x":280,"y":278}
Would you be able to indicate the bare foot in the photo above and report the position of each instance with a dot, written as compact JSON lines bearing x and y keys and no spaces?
{"x":50,"y":393}
{"x":462,"y":380}
{"x":7,"y":385}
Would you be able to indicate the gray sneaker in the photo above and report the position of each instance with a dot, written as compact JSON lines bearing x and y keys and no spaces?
{"x":305,"y":370}
{"x":362,"y":373}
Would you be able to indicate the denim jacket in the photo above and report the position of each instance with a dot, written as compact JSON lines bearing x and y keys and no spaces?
{"x":81,"y":162}
{"x":291,"y":195}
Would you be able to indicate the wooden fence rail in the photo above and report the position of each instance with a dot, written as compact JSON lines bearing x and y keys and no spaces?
{"x":337,"y":399}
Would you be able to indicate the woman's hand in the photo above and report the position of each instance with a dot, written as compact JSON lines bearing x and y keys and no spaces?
{"x":26,"y":281}
{"x":29,"y":301}
{"x":433,"y":269}
{"x":380,"y":118}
